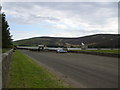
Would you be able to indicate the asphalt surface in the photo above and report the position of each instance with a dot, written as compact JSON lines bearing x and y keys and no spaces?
{"x":88,"y":71}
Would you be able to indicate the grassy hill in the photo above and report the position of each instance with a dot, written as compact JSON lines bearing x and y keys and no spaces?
{"x":97,"y":40}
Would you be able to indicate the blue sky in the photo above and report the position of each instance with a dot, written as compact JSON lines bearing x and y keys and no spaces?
{"x":61,"y":19}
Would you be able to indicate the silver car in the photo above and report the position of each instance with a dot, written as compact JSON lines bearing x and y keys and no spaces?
{"x":61,"y":51}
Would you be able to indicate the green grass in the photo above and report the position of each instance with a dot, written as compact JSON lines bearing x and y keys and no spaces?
{"x":25,"y":73}
{"x":105,"y":51}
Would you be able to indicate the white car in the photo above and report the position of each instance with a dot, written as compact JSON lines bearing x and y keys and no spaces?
{"x":61,"y":51}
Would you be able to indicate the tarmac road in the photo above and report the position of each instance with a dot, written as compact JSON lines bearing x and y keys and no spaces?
{"x":88,"y":71}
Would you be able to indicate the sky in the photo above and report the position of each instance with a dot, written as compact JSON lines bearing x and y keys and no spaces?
{"x":61,"y":19}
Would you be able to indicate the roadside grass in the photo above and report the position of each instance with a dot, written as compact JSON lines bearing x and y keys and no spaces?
{"x":105,"y":51}
{"x":25,"y":73}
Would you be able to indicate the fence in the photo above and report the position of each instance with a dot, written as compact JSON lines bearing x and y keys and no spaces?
{"x":6,"y":60}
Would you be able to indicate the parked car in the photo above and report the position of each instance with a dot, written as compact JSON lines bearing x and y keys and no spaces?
{"x":61,"y":51}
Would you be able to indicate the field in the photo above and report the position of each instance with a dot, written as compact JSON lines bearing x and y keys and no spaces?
{"x":25,"y":73}
{"x":93,"y":41}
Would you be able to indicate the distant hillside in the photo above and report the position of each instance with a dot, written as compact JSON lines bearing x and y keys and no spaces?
{"x":97,"y":40}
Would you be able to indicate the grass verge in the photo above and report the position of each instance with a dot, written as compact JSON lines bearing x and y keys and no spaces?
{"x":104,"y":51}
{"x":25,"y":73}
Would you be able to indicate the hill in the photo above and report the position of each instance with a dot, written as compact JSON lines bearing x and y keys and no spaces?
{"x":97,"y":40}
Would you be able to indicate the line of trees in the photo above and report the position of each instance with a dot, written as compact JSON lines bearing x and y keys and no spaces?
{"x":6,"y":37}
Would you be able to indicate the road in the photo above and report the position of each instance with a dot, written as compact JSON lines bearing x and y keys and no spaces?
{"x":88,"y":71}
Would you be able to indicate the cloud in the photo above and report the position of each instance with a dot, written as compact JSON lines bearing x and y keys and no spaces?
{"x":60,"y":1}
{"x":18,"y":35}
{"x":66,"y":18}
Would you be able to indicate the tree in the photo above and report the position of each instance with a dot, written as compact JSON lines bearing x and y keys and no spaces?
{"x":6,"y":37}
